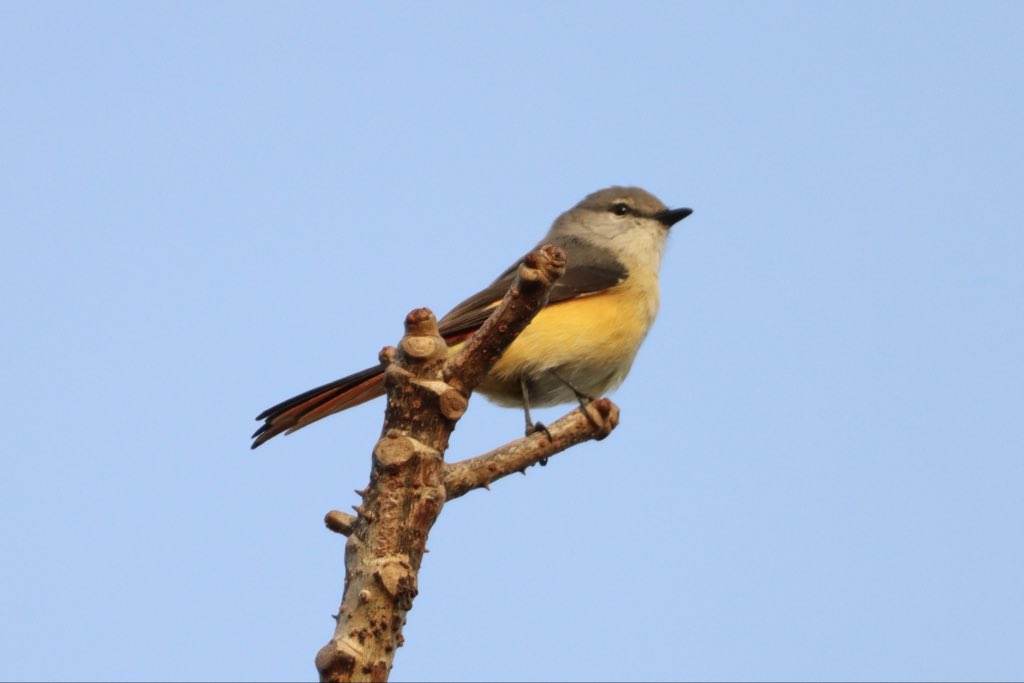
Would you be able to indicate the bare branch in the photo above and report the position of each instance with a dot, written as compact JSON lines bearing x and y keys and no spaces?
{"x":537,"y":273}
{"x":462,"y":477}
{"x":387,"y":539}
{"x":339,"y":522}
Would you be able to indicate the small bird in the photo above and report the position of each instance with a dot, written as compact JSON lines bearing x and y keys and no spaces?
{"x":581,"y":345}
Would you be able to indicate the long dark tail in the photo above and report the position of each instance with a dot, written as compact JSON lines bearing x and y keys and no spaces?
{"x":310,"y":406}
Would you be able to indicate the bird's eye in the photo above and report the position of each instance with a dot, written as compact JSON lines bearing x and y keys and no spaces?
{"x":620,"y":208}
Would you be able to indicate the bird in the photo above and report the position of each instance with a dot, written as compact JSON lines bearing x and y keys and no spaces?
{"x":580,"y":345}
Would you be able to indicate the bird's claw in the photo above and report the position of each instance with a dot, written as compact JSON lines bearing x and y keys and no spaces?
{"x":539,"y":427}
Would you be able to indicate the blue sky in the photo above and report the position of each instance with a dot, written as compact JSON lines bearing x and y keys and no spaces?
{"x":208,"y":207}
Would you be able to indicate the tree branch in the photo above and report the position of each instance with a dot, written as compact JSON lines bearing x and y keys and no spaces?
{"x":339,"y":522}
{"x":426,"y":394}
{"x":538,"y":272}
{"x":462,"y":477}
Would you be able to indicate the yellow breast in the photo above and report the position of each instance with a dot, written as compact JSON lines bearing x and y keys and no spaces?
{"x":590,"y":341}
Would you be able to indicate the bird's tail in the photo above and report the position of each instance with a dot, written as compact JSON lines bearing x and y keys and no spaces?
{"x":310,"y":406}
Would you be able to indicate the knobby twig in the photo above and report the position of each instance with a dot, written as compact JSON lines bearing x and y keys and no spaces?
{"x":474,"y":473}
{"x":427,"y":393}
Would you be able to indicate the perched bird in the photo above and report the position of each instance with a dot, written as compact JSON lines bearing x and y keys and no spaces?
{"x":581,"y":345}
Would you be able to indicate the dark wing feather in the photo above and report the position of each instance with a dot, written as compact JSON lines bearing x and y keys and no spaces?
{"x":351,"y":380}
{"x":588,"y":270}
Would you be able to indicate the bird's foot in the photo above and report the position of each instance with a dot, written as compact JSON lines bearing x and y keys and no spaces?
{"x":539,"y":427}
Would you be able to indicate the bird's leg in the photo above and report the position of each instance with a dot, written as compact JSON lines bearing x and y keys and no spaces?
{"x":583,"y":398}
{"x":531,"y":426}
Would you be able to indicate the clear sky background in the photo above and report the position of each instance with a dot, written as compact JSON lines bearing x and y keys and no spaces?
{"x":209,"y":207}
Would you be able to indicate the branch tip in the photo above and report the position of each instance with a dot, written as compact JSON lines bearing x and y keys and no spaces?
{"x":339,"y":522}
{"x":543,"y":266}
{"x":420,"y":321}
{"x":387,"y":355}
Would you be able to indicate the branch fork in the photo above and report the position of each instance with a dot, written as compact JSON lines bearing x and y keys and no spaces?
{"x":427,"y":393}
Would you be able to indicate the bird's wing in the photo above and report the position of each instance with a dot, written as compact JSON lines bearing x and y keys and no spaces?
{"x":588,"y":270}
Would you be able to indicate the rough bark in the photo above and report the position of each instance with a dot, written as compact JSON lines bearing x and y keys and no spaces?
{"x":474,"y":473}
{"x":409,"y":482}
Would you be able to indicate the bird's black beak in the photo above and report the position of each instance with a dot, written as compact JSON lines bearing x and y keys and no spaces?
{"x":670,"y":217}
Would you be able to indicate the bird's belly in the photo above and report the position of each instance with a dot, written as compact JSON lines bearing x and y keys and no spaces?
{"x":589,"y":342}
